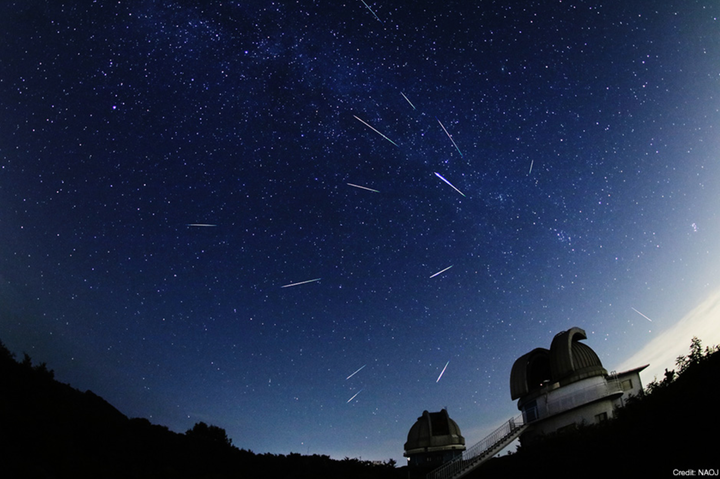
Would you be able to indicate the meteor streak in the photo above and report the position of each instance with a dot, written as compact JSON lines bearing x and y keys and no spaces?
{"x":638,"y":312}
{"x":301,"y":282}
{"x":363,"y":188}
{"x":201,"y":225}
{"x":531,"y":164}
{"x":353,"y":374}
{"x":354,"y":396}
{"x":442,"y":372}
{"x":371,"y":11}
{"x":449,"y":136}
{"x":406,"y":98}
{"x":446,"y":181}
{"x":373,"y":129}
{"x":441,"y":272}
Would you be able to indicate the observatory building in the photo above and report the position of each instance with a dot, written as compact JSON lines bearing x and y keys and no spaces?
{"x":433,"y":440}
{"x":557,"y":390}
{"x":567,"y":386}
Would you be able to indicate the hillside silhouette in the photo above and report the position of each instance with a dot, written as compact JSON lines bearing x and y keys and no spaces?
{"x":50,"y":430}
{"x":672,"y":428}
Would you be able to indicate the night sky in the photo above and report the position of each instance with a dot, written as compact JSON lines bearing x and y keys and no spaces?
{"x":169,"y":170}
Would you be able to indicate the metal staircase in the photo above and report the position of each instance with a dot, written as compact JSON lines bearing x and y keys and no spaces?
{"x":482,"y":451}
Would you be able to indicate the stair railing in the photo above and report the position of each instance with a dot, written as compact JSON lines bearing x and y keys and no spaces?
{"x":468,"y":457}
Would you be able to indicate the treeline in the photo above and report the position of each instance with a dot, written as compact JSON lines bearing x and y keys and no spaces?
{"x":672,"y":427}
{"x":50,"y":430}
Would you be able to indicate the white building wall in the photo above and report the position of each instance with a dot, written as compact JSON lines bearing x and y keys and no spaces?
{"x":583,"y":402}
{"x":557,"y":399}
{"x":575,"y":394}
{"x":584,"y":415}
{"x":631,"y":386}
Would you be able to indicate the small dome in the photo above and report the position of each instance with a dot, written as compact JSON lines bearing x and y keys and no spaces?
{"x":434,"y":431}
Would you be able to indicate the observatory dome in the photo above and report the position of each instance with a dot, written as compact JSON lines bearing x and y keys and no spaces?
{"x":567,"y":361}
{"x":434,"y":431}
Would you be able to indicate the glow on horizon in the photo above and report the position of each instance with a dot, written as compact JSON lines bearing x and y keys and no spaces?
{"x":660,"y":353}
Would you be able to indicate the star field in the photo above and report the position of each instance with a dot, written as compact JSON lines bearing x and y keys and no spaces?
{"x":167,"y":167}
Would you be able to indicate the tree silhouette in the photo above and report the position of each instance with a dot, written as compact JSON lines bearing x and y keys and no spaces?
{"x":209,"y":434}
{"x":6,"y":356}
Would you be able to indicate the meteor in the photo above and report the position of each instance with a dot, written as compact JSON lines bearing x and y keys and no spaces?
{"x":373,"y":129}
{"x":371,"y":11}
{"x":446,"y":181}
{"x":638,"y":312}
{"x":201,"y":225}
{"x":442,"y":372}
{"x":531,"y":164}
{"x":301,"y":282}
{"x":451,"y":138}
{"x":363,"y":188}
{"x":353,"y":374}
{"x":354,"y":396}
{"x":406,"y":98}
{"x":441,"y":272}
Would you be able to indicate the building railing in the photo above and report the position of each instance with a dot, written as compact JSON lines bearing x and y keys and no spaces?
{"x":460,"y":463}
{"x":572,"y":400}
{"x":583,"y":396}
